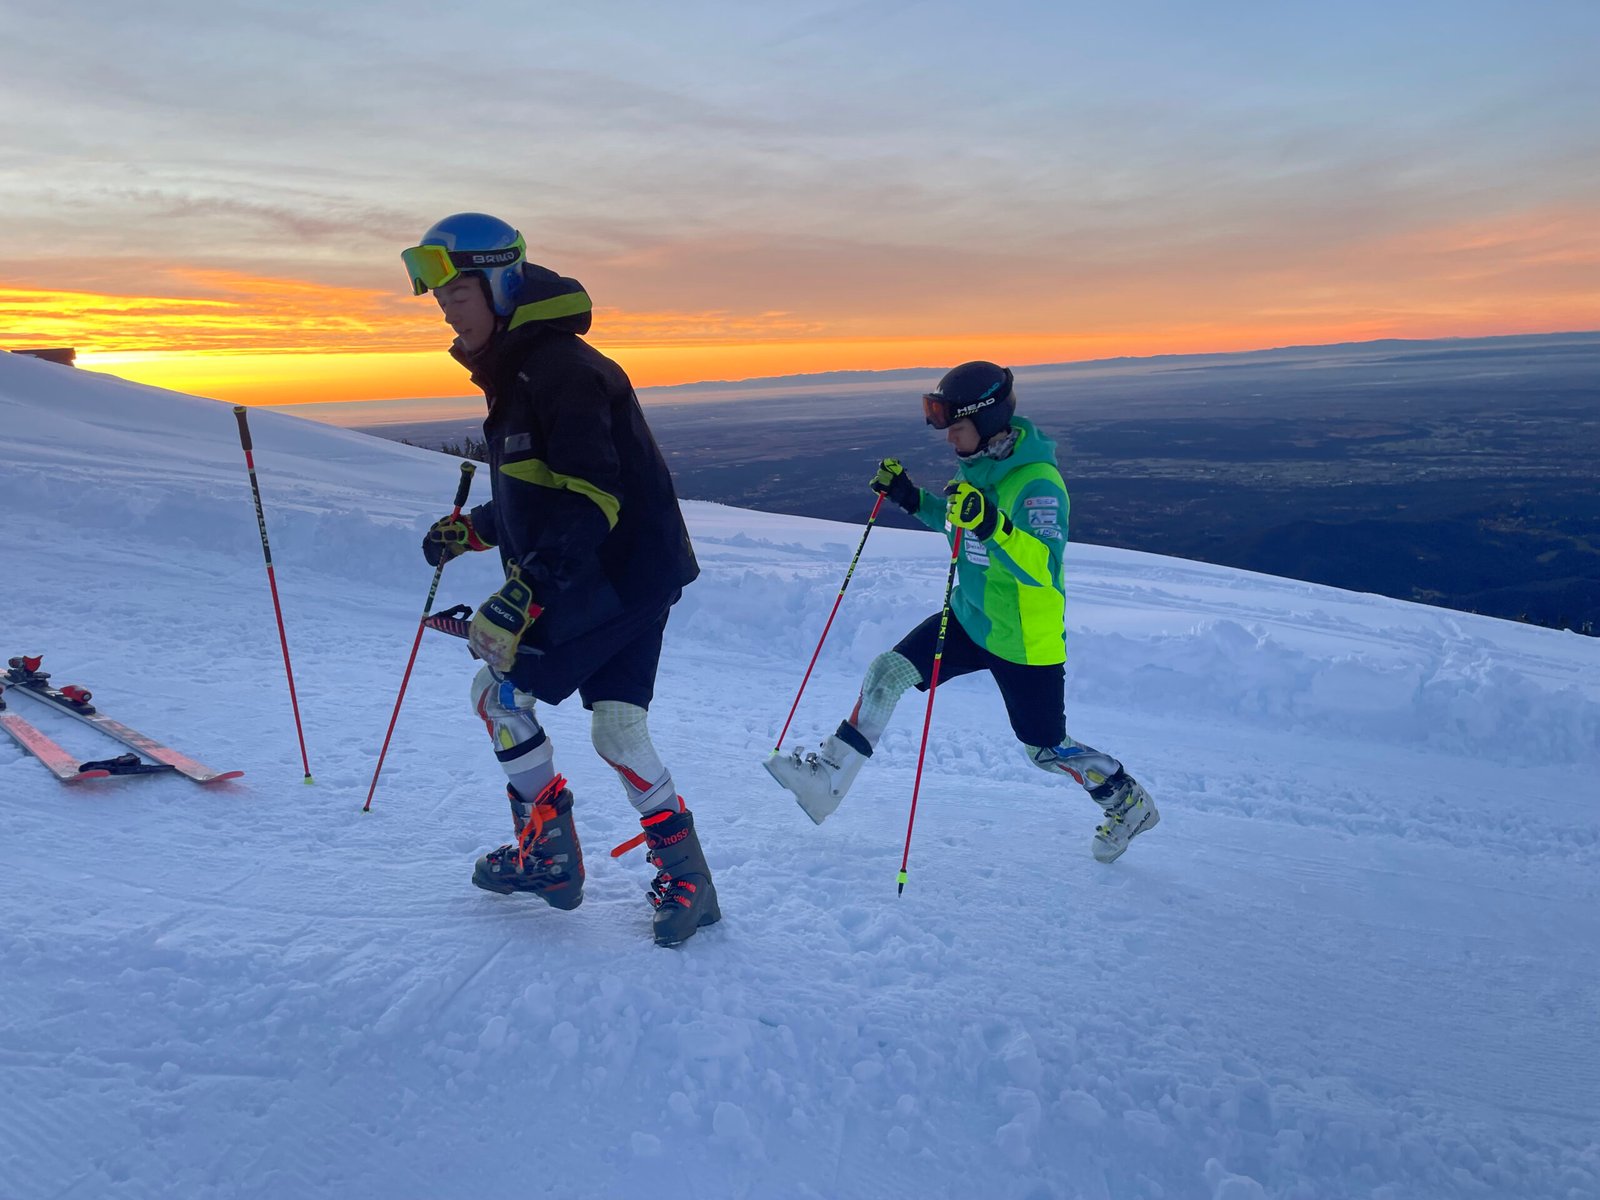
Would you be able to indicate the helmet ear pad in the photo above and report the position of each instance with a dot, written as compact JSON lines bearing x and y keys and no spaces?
{"x":995,"y":419}
{"x":500,"y":288}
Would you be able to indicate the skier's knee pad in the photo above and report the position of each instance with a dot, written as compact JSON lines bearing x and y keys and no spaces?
{"x":1083,"y":764}
{"x":887,"y":679}
{"x":520,"y":742}
{"x":621,"y":735}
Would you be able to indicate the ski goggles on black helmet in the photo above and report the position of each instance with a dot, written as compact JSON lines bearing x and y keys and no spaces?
{"x":432,"y":267}
{"x":942,"y":411}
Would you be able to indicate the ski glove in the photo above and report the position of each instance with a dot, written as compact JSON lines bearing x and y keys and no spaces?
{"x":449,"y":536}
{"x":497,"y":627}
{"x":893,"y":482}
{"x":969,"y":510}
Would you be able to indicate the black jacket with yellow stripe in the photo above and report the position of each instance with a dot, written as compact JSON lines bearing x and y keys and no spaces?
{"x":582,"y":500}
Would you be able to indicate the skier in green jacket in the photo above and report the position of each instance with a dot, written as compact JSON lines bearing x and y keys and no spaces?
{"x":1007,"y":608}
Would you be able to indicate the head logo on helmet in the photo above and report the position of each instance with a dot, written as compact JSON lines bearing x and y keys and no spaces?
{"x":977,"y":390}
{"x":470,"y":243}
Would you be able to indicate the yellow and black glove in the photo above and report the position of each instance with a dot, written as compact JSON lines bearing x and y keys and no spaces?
{"x":893,"y":482}
{"x":497,"y":628}
{"x":449,"y":536}
{"x":968,"y":509}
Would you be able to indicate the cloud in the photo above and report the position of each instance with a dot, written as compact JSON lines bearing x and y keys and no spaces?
{"x":825,"y":173}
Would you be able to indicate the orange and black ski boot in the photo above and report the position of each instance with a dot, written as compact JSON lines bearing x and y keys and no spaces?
{"x":546,"y":858}
{"x":682,"y":892}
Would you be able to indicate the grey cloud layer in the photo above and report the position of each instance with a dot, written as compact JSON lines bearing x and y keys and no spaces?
{"x":1043,"y":132}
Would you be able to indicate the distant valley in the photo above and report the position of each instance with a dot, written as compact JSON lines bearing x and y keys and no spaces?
{"x":1464,"y":473}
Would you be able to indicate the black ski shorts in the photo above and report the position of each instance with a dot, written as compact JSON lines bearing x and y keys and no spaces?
{"x":617,"y":661}
{"x":1036,"y":697}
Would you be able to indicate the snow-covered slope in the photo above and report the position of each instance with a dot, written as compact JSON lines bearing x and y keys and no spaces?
{"x":1357,"y":958}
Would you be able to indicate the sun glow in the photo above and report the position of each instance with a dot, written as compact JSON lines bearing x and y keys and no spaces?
{"x":263,"y":340}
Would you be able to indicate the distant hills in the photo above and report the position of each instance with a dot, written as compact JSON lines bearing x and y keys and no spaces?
{"x":1463,"y":472}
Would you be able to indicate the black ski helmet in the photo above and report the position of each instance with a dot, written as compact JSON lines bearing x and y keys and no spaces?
{"x":980,"y":390}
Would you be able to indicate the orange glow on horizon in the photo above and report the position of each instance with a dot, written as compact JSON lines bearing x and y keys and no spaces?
{"x":260,"y":340}
{"x":307,"y":377}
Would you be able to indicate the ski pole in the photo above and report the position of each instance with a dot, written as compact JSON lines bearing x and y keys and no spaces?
{"x":272,"y":582}
{"x":871,"y":521}
{"x":467,"y":469}
{"x":933,"y":686}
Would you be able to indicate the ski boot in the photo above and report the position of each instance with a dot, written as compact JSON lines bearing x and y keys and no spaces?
{"x":682,"y":892}
{"x":546,"y":858}
{"x":1129,"y":812}
{"x":820,"y":779}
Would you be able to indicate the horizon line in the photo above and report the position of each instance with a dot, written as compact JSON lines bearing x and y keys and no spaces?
{"x":862,"y":375}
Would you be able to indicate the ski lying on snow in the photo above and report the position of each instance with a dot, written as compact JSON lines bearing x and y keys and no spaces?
{"x":51,"y":753}
{"x":24,"y":676}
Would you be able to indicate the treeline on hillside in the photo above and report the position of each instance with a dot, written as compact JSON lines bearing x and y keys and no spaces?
{"x":470,"y":448}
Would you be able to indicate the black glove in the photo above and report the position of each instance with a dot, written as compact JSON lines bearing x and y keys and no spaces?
{"x":450,"y":536}
{"x":893,"y":482}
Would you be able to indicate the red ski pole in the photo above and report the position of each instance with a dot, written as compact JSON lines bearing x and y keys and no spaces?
{"x":272,"y":582}
{"x":933,"y":686}
{"x":871,"y":521}
{"x":467,"y":469}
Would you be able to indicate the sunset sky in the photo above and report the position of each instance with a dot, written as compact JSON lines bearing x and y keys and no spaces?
{"x":213,"y":196}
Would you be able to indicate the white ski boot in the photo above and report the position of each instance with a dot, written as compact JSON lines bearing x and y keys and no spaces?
{"x":820,"y":779}
{"x":1129,"y":812}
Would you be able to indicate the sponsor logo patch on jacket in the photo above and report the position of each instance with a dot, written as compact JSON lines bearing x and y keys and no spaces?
{"x":1042,"y":502}
{"x":1042,"y":522}
{"x":518,"y":442}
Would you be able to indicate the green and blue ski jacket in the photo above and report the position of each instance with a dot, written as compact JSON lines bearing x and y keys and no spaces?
{"x":1009,"y":594}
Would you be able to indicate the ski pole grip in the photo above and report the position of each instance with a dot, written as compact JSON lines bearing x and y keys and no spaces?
{"x":244,"y":427}
{"x":467,"y":468}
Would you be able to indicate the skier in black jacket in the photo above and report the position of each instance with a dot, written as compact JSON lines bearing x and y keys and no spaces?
{"x":595,"y":550}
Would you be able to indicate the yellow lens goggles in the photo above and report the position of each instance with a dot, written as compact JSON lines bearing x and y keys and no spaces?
{"x":433,"y":266}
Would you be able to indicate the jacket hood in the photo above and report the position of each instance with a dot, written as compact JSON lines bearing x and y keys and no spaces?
{"x":552,"y":300}
{"x":547,"y":301}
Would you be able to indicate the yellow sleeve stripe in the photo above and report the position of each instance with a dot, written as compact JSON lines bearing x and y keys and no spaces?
{"x":535,"y":471}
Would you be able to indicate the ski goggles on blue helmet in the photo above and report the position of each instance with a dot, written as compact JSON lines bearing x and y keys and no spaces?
{"x":432,"y":267}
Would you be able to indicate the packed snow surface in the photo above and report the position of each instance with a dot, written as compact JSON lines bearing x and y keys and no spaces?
{"x":1356,"y":959}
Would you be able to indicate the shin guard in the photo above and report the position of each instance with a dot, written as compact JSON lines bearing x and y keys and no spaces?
{"x":520,"y":742}
{"x":621,"y":735}
{"x":1084,"y":765}
{"x":887,"y":679}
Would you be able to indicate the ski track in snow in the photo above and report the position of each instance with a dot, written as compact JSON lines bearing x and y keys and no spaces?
{"x":1356,"y":959}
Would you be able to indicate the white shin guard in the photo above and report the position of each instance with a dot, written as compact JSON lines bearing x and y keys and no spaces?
{"x":887,"y":679}
{"x":520,"y":742}
{"x":621,"y":734}
{"x":1083,"y":764}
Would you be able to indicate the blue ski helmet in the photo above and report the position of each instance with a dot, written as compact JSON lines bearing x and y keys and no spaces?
{"x":465,"y":244}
